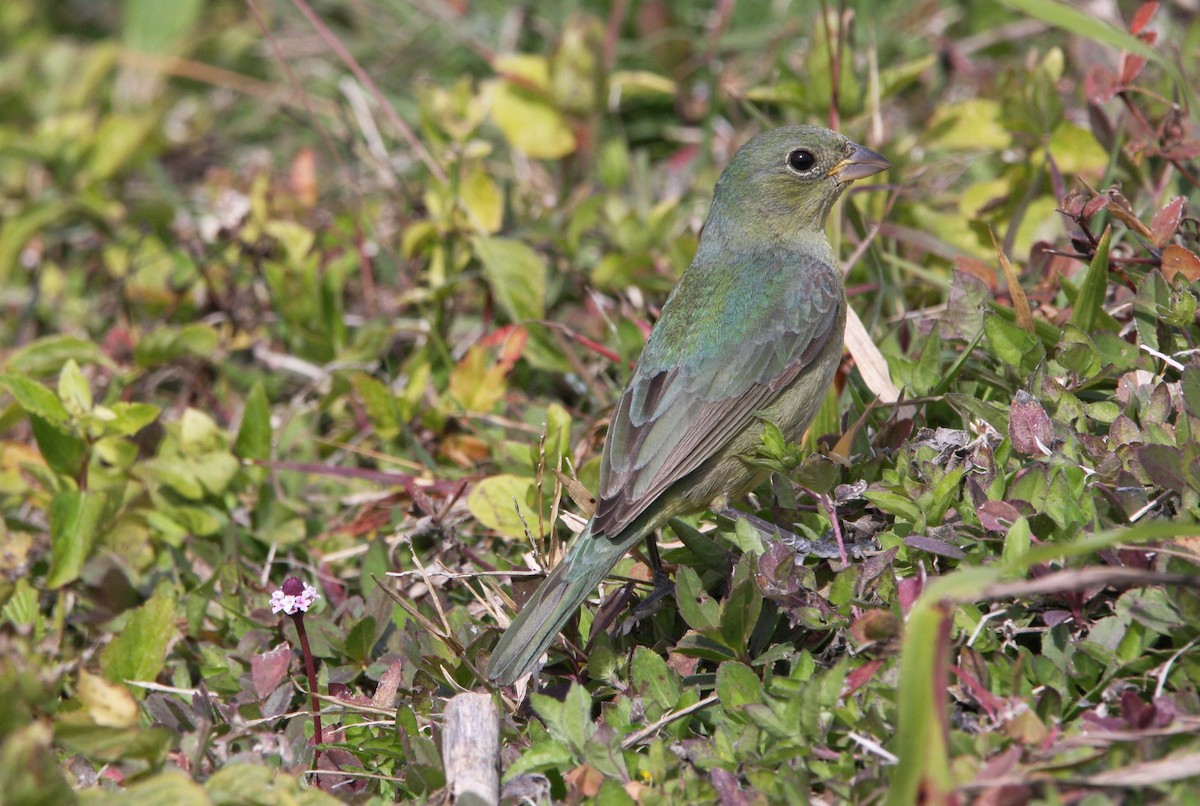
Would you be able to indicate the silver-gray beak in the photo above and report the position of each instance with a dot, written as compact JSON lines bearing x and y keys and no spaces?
{"x":859,"y":163}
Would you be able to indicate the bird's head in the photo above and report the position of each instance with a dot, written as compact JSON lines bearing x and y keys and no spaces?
{"x":786,"y":180}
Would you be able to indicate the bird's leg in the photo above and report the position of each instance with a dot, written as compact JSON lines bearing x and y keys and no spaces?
{"x":662,"y":585}
{"x":827,"y":503}
{"x":652,"y":556}
{"x":799,"y":544}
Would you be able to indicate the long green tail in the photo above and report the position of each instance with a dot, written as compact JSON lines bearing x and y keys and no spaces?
{"x":589,"y":559}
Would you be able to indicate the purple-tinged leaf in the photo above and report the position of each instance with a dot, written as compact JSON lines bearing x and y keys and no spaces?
{"x":1029,"y":426}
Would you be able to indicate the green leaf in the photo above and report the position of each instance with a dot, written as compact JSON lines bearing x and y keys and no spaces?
{"x":35,"y":398}
{"x":254,"y":434}
{"x":517,"y":276}
{"x":115,"y":144}
{"x":707,"y":552}
{"x":167,"y":344}
{"x":738,"y":685}
{"x":199,"y":433}
{"x":1090,"y":299}
{"x":215,"y":471}
{"x":746,"y":537}
{"x":698,"y":609}
{"x":542,"y":755}
{"x":233,"y":783}
{"x":1010,"y":342}
{"x":494,"y":501}
{"x":569,"y":721}
{"x":124,"y":745}
{"x":176,"y":473}
{"x":899,"y":505}
{"x":360,"y":640}
{"x":149,"y":27}
{"x":1075,"y":150}
{"x":1152,"y":608}
{"x":63,"y":452}
{"x":1017,"y":541}
{"x":557,"y":428}
{"x":522,"y":109}
{"x":297,"y":240}
{"x":138,"y":651}
{"x":46,"y":355}
{"x":74,"y":518}
{"x":73,"y":390}
{"x":29,"y":764}
{"x":739,"y":613}
{"x":654,"y":679}
{"x":21,"y":609}
{"x":971,"y":124}
{"x":18,"y":229}
{"x":696,"y":645}
{"x":483,"y":201}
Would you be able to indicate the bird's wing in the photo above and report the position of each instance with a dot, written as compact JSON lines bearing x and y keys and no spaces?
{"x":724,"y":348}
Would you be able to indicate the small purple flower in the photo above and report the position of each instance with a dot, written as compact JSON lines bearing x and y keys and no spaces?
{"x":294,"y":597}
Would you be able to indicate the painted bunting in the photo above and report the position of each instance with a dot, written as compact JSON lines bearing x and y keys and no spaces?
{"x":751,"y":333}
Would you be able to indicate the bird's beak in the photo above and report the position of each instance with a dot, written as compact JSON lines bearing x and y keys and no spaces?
{"x":860,"y":163}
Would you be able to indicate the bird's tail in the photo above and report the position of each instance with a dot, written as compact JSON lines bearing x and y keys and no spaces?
{"x":589,"y":559}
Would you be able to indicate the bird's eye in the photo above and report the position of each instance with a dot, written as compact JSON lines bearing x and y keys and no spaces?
{"x":801,"y":160}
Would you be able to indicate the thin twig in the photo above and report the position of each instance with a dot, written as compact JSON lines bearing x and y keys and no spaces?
{"x":327,"y":36}
{"x":648,"y":731}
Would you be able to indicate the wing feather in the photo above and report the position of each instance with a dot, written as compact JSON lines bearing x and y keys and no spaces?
{"x":722,"y":352}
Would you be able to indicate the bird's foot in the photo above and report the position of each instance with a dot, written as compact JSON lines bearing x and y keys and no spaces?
{"x":831,"y":546}
{"x":662,"y":587}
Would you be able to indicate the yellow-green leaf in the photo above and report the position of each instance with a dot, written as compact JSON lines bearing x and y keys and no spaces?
{"x":494,"y":503}
{"x":520,"y":106}
{"x":516,"y":274}
{"x":483,"y":201}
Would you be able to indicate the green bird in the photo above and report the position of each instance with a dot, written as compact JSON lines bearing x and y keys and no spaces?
{"x":751,"y":334}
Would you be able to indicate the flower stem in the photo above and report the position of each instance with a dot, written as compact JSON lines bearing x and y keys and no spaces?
{"x":311,"y":668}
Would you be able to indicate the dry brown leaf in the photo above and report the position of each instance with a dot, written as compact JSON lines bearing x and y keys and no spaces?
{"x":1177,"y":259}
{"x":1020,"y":301}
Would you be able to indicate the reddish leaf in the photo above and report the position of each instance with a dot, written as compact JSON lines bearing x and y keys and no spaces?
{"x":875,"y":625}
{"x":1072,"y":203}
{"x":993,"y":705}
{"x":1120,"y":207}
{"x":584,"y":780}
{"x":1141,"y":17}
{"x":268,"y":669}
{"x":729,"y":789}
{"x":777,"y":576}
{"x":909,"y":589}
{"x":1131,"y":65}
{"x":1179,"y":260}
{"x":1029,"y":426}
{"x":1166,"y":222}
{"x":860,"y":676}
{"x":997,"y":516}
{"x":934,"y":546}
{"x":1165,"y":466}
{"x":302,"y":177}
{"x":1093,"y":206}
{"x":1100,"y":85}
{"x":512,"y":340}
{"x":1181,"y":151}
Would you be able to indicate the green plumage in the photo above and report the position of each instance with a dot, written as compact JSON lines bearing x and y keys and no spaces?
{"x":752,"y":332}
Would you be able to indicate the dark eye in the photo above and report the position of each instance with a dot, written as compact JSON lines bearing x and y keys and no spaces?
{"x":801,"y":160}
